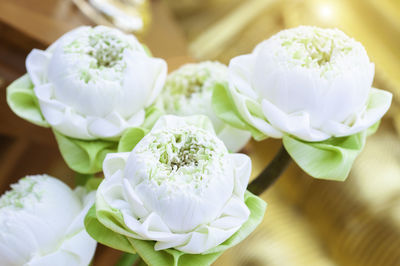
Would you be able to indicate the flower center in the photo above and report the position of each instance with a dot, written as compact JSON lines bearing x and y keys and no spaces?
{"x":106,"y":49}
{"x":100,"y":53}
{"x":186,"y":82}
{"x":187,"y":152}
{"x":312,"y":47}
{"x":25,"y":191}
{"x":182,"y":157}
{"x":191,"y":84}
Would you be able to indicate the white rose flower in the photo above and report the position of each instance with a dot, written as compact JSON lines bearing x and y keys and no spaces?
{"x":188,"y":91}
{"x":308,"y":82}
{"x":95,"y":82}
{"x":179,"y":186}
{"x":41,"y":221}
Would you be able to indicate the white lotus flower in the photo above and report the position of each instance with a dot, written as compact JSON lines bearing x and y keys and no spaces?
{"x":95,"y":82}
{"x":188,"y":91}
{"x":308,"y":82}
{"x":179,"y":186}
{"x":41,"y":224}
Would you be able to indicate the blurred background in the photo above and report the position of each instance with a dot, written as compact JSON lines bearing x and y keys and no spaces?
{"x":308,"y":221}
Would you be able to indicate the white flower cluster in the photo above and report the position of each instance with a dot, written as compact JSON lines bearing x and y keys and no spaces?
{"x":41,"y":221}
{"x":189,"y":90}
{"x":179,"y":186}
{"x":95,"y":82}
{"x":308,"y":82}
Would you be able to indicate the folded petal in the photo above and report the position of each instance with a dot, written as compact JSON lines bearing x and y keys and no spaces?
{"x":378,"y":104}
{"x":297,"y":124}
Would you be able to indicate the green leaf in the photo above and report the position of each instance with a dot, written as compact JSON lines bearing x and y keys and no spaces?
{"x":84,"y":156}
{"x":127,"y":259}
{"x":152,"y":115}
{"x":23,"y":102}
{"x":104,"y":235}
{"x":130,"y":138}
{"x":89,"y":181}
{"x":82,"y":179}
{"x":331,"y":159}
{"x":225,"y":109}
{"x":93,"y":183}
{"x":113,"y":220}
{"x":372,"y":129}
{"x":87,"y":156}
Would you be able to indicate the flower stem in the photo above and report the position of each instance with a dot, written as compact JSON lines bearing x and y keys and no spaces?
{"x":271,"y":173}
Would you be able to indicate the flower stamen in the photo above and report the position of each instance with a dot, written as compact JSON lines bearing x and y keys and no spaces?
{"x":182,"y":157}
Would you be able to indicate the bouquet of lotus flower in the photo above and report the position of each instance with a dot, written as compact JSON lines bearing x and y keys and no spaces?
{"x":159,"y":155}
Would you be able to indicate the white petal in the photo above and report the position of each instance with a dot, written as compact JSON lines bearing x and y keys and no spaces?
{"x":114,"y":162}
{"x":91,"y":99}
{"x":379,"y":103}
{"x":242,"y":166}
{"x":291,"y":90}
{"x":39,"y":228}
{"x":144,"y":78}
{"x":296,"y":124}
{"x":68,"y":37}
{"x":241,"y":73}
{"x":136,"y":204}
{"x":113,"y":125}
{"x":206,"y":238}
{"x":75,"y":250}
{"x":233,"y":138}
{"x":234,"y":214}
{"x":171,"y":121}
{"x":10,"y":256}
{"x":344,"y":96}
{"x":57,"y":258}
{"x":260,"y":124}
{"x":59,"y":116}
{"x":37,"y":63}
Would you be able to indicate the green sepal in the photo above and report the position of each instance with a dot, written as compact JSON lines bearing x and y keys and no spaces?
{"x":93,"y":183}
{"x":104,"y":235}
{"x":127,"y":259}
{"x":89,"y":181}
{"x":82,"y":179}
{"x":331,"y":159}
{"x":87,"y":156}
{"x":112,"y":218}
{"x":130,"y":138}
{"x":84,"y":156}
{"x":224,"y":107}
{"x":23,"y":102}
{"x":153,"y":113}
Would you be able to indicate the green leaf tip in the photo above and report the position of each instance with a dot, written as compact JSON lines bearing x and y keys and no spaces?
{"x":23,"y":102}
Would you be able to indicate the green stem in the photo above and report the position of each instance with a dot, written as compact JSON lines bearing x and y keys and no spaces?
{"x":271,"y":173}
